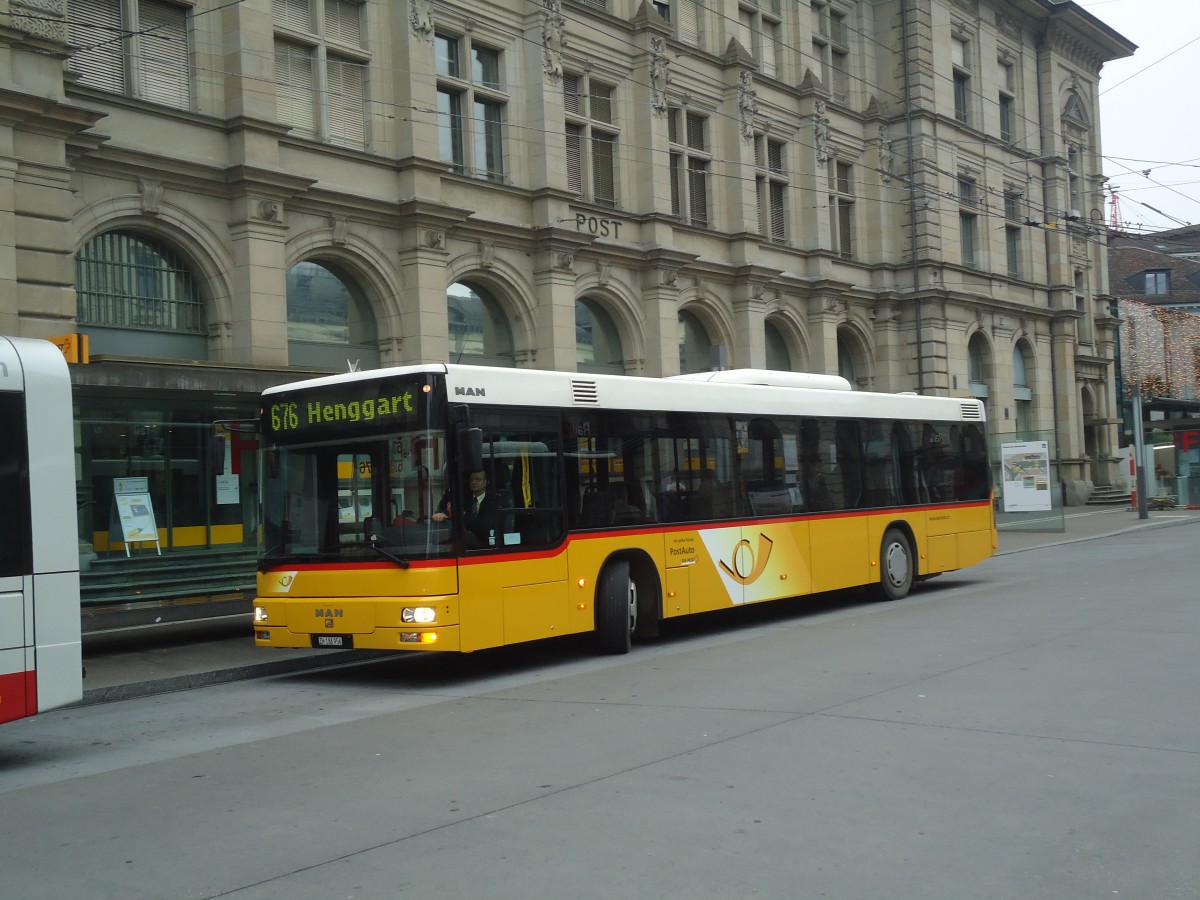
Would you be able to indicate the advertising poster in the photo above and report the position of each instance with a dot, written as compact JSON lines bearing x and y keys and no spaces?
{"x":1025,"y":470}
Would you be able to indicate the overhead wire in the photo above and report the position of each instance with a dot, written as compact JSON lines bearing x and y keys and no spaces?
{"x":956,"y":141}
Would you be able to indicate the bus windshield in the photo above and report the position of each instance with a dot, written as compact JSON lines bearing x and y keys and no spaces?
{"x":355,"y":472}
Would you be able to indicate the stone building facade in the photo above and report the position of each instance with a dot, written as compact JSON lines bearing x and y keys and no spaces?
{"x":227,"y":195}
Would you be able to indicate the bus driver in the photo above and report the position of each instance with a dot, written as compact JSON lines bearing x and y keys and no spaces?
{"x":483,"y":509}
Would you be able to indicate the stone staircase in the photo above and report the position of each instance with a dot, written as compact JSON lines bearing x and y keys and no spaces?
{"x":1106,"y":495}
{"x":117,"y":592}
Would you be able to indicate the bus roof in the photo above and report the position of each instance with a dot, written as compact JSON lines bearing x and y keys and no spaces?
{"x":744,"y":391}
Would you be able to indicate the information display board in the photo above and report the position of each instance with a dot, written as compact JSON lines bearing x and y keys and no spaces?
{"x":133,"y":513}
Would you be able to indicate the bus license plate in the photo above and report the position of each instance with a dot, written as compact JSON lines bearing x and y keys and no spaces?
{"x":341,"y":641}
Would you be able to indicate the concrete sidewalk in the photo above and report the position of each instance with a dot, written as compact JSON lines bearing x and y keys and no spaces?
{"x":160,"y":659}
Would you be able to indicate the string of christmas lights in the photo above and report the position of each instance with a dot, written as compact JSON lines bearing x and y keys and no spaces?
{"x":1160,"y":350}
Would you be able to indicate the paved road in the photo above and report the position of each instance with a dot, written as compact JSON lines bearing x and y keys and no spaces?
{"x":1028,"y":729}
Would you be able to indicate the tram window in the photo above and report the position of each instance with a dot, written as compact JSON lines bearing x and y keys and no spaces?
{"x":15,"y":551}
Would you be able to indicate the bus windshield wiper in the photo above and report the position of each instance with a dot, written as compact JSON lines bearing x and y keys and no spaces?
{"x":373,"y":543}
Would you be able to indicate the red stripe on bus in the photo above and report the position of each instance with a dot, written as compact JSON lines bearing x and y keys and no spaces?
{"x":18,"y":695}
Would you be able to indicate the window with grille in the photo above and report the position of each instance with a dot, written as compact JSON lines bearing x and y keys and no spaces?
{"x":758,"y":33}
{"x":321,"y":67}
{"x":140,"y":48}
{"x":1012,"y":233}
{"x":591,"y":139}
{"x":841,"y":207}
{"x":771,"y":183}
{"x":831,"y":48}
{"x":690,"y":162}
{"x":130,"y":281}
{"x":960,"y":57}
{"x":684,"y":17}
{"x":472,"y":106}
{"x":968,"y":236}
{"x":968,"y":221}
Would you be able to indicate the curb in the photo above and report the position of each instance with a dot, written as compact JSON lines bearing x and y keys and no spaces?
{"x":192,"y":680}
{"x":1149,"y":523}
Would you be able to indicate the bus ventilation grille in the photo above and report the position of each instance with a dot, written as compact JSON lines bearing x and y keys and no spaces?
{"x":585,"y":391}
{"x":972,"y":411}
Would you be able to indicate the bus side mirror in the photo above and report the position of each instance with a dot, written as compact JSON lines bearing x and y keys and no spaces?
{"x":470,"y":449}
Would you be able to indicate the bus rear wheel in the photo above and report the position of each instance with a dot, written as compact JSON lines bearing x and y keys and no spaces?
{"x":896,"y":568}
{"x":616,"y":608}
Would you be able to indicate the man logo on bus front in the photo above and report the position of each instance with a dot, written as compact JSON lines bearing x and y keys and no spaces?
{"x":747,"y":566}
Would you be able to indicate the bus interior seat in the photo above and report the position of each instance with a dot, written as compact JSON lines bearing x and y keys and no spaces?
{"x":596,"y":507}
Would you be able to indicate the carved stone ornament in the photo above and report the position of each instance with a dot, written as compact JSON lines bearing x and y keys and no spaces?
{"x":821,"y":131}
{"x":270,"y":210}
{"x":660,"y":76}
{"x":564,"y":260}
{"x":434,"y":239}
{"x":886,"y":158}
{"x":747,"y":104}
{"x":603,"y":273}
{"x":152,"y":194}
{"x":487,"y":254}
{"x":554,"y":39}
{"x":1009,"y":25}
{"x":340,"y":229}
{"x":41,"y":18}
{"x":420,"y":18}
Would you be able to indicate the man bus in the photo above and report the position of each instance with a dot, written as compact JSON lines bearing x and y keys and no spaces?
{"x":619,"y":501}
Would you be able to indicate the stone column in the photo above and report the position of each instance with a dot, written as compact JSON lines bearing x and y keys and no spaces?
{"x":259,"y":281}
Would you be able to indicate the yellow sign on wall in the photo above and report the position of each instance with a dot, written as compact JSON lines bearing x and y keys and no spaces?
{"x":74,"y":347}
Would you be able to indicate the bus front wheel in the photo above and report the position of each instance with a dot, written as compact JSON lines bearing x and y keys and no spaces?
{"x":616,"y":608}
{"x":896,"y":568}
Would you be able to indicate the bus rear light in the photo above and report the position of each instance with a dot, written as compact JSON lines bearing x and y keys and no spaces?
{"x":260,"y":614}
{"x":419,"y":615}
{"x":428,"y":637}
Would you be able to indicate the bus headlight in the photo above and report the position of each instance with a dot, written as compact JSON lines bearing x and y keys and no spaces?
{"x":421,"y":615}
{"x":260,"y":614}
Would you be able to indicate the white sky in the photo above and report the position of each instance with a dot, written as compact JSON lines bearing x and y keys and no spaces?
{"x":1149,"y":116}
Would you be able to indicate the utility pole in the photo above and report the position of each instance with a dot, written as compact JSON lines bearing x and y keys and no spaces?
{"x":1139,"y":452}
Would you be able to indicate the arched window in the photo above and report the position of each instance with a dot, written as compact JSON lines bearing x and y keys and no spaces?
{"x":696,"y":349}
{"x":598,"y":345}
{"x":778,"y":358}
{"x":1022,"y":393}
{"x":977,"y":369}
{"x":136,"y":295}
{"x":330,"y":322}
{"x":479,"y":330}
{"x":847,"y":358}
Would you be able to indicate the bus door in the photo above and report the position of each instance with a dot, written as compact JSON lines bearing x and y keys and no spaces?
{"x":513,"y":573}
{"x":838,"y":540}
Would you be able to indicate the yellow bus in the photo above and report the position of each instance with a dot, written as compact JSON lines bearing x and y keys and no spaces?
{"x":606,"y":503}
